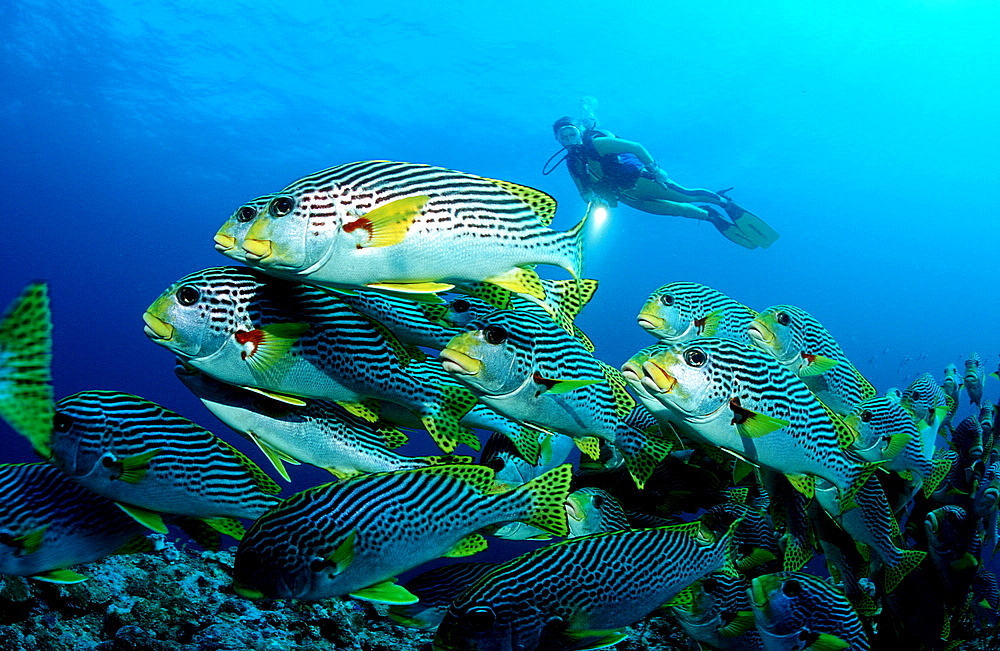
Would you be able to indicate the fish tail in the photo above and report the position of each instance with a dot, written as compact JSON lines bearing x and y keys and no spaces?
{"x":573,"y":249}
{"x":908,"y":561}
{"x":547,"y":496}
{"x":641,"y":452}
{"x":26,"y":375}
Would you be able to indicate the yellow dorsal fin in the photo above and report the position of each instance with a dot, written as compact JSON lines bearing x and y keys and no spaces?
{"x":542,"y":204}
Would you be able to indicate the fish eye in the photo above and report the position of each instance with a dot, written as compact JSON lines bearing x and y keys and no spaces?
{"x":866,"y":416}
{"x":495,"y":334}
{"x":246,"y":213}
{"x":667,"y":299}
{"x":480,"y":618}
{"x":62,"y":423}
{"x":598,"y":501}
{"x":318,"y":564}
{"x":108,"y":462}
{"x":915,"y":395}
{"x":460,"y":305}
{"x":791,"y":588}
{"x":280,"y":206}
{"x":496,"y":463}
{"x":695,"y":357}
{"x":188,"y":295}
{"x":783,"y":318}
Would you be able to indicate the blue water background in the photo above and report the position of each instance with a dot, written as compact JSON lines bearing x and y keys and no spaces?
{"x":865,"y":132}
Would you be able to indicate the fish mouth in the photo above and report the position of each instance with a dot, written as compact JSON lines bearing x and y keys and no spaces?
{"x":459,"y":363}
{"x":573,"y":511}
{"x":760,"y":333}
{"x":650,"y":321}
{"x":157,"y":328}
{"x":224,"y":242}
{"x":760,"y":588}
{"x":257,"y":250}
{"x":656,"y":378}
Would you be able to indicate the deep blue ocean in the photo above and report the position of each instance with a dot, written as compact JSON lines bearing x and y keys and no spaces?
{"x":866,"y":133}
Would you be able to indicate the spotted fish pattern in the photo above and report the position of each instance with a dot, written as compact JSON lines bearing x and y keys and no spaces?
{"x":26,"y":400}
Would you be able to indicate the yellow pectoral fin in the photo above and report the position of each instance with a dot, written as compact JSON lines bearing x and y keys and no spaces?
{"x":270,"y":343}
{"x":896,"y":445}
{"x":565,"y":386}
{"x":388,"y":224}
{"x":30,"y":543}
{"x":816,"y":365}
{"x":804,"y":484}
{"x":343,"y":556}
{"x":386,"y":592}
{"x":710,"y":323}
{"x":134,"y":468}
{"x":753,"y":424}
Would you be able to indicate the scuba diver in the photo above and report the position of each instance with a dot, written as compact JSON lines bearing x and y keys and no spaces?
{"x":607,"y":170}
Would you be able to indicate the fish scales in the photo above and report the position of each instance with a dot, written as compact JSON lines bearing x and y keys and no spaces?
{"x":190,"y":472}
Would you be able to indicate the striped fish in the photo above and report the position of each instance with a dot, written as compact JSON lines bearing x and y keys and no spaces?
{"x":967,"y":441}
{"x":801,"y":343}
{"x":413,"y":322}
{"x":592,"y":510}
{"x":681,"y":310}
{"x":49,"y":522}
{"x":580,"y":593}
{"x":319,"y":433}
{"x":870,"y":521}
{"x":563,"y":302}
{"x":436,"y":589}
{"x":954,"y":548}
{"x":790,"y":607}
{"x":151,"y":459}
{"x":928,"y":406}
{"x":354,"y":536}
{"x":974,"y":379}
{"x":740,"y":399}
{"x":886,"y":432}
{"x":533,"y":371}
{"x":951,"y":386}
{"x":250,"y":330}
{"x":26,"y":400}
{"x":719,"y":614}
{"x":403,"y":226}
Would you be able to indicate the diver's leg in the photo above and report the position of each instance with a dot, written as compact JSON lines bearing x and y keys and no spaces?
{"x":664,"y":188}
{"x":673,"y":208}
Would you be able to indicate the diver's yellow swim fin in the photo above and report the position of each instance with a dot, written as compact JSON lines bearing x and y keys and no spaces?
{"x":752,"y":229}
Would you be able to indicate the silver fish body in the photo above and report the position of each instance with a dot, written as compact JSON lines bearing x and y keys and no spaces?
{"x":383,"y":222}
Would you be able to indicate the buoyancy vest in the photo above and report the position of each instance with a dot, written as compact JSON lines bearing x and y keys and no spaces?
{"x":618,"y":171}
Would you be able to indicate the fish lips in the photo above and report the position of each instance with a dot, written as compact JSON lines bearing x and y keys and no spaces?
{"x":156,"y":328}
{"x":760,"y":334}
{"x":458,"y":363}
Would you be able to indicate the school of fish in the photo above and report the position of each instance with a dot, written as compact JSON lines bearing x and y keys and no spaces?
{"x":740,"y":474}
